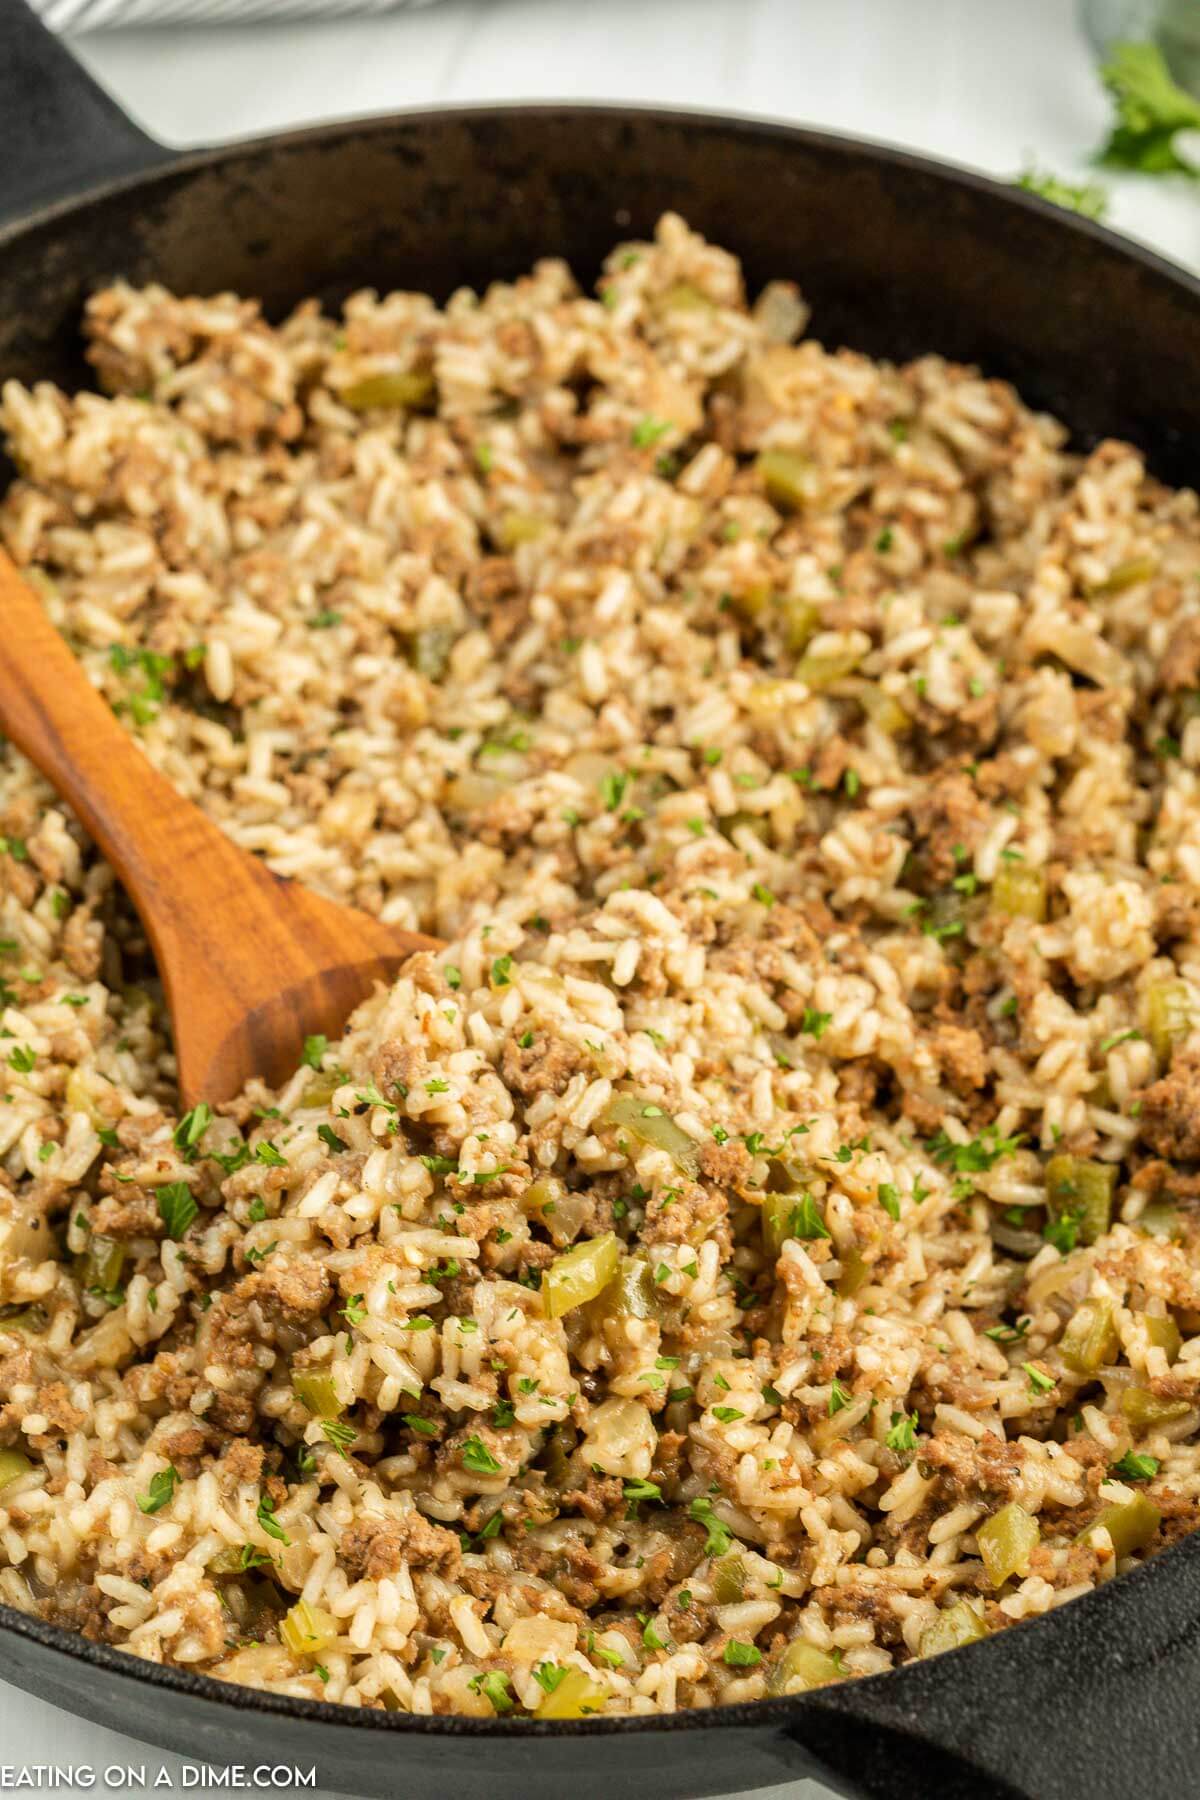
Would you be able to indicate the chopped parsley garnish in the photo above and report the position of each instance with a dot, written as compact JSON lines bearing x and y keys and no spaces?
{"x":901,"y":1435}
{"x":719,"y":1534}
{"x":266,"y":1518}
{"x":267,"y":1153}
{"x":176,"y":1207}
{"x":647,"y":431}
{"x":502,"y":971}
{"x":192,"y":1127}
{"x":1039,"y":1381}
{"x":340,"y":1433}
{"x":354,"y":1312}
{"x":314,"y":1050}
{"x":727,"y":1414}
{"x":1010,"y":1334}
{"x":549,"y":1676}
{"x":612,"y":789}
{"x":330,"y":1138}
{"x":977,"y":1154}
{"x":814,"y":1023}
{"x":804,"y":1220}
{"x":741,"y":1656}
{"x":1136,"y":1466}
{"x":839,"y":1398}
{"x":478,"y":1458}
{"x":422,"y":1426}
{"x":1063,"y":1231}
{"x":22,"y":1059}
{"x":889,"y":1199}
{"x":162,"y":1487}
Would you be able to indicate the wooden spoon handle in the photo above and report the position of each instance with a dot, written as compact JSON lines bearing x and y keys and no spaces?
{"x":67,"y":729}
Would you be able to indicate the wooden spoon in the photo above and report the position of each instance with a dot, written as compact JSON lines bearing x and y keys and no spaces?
{"x":251,"y":962}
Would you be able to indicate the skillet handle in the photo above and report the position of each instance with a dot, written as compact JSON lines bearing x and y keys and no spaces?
{"x":59,"y":131}
{"x":1096,"y":1701}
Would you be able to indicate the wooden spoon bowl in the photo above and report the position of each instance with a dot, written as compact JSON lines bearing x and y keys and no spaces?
{"x":252,"y":963}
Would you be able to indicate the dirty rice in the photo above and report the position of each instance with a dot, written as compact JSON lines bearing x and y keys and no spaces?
{"x":799,"y":755}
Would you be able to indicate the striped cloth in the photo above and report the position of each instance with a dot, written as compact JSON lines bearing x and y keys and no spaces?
{"x":95,"y":15}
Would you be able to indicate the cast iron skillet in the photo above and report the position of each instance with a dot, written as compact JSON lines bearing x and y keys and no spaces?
{"x":898,"y":256}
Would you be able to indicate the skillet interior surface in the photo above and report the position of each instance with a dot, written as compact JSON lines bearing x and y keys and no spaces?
{"x":897,"y":256}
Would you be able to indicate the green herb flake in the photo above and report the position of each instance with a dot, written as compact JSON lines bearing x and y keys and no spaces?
{"x":901,"y":1435}
{"x":266,"y":1518}
{"x":478,"y":1458}
{"x":176,"y":1207}
{"x":839,"y":1398}
{"x":648,"y":431}
{"x":162,"y":1488}
{"x":1136,"y":1466}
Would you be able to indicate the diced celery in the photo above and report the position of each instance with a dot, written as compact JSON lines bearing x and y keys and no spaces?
{"x":1168,"y":1017}
{"x":649,"y":1123}
{"x":1145,"y":1411}
{"x":800,"y":621}
{"x":515,"y":528}
{"x":575,"y":1697}
{"x":321,"y":1089}
{"x":684,"y":296}
{"x":1160,"y":1219}
{"x":1020,"y":891}
{"x":820,"y":669}
{"x":1077,"y":1185}
{"x":729,"y":1580}
{"x":1130,"y":1526}
{"x":102,"y":1263}
{"x":632,"y":1294}
{"x":1162,"y":1332}
{"x":409,"y":388}
{"x":856,"y":1272}
{"x":431,"y":649}
{"x":307,"y":1629}
{"x":1128,"y":574}
{"x":953,"y":1627}
{"x":580,"y":1274}
{"x":12,"y":1464}
{"x":802,"y":1667}
{"x":33,"y":1319}
{"x":884,"y":710}
{"x":315,"y":1388}
{"x":1006,"y":1541}
{"x":1090,"y":1339}
{"x":790,"y":478}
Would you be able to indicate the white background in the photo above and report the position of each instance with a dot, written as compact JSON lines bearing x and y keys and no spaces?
{"x":996,"y":84}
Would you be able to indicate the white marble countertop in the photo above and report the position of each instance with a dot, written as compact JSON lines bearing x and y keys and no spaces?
{"x":992,"y":86}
